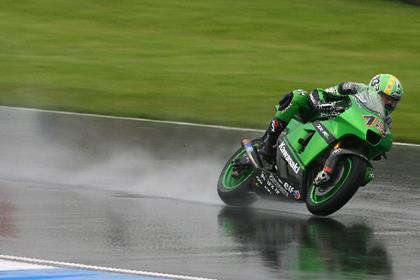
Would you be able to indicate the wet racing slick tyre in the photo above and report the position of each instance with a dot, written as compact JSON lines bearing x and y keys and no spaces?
{"x":330,"y":196}
{"x":237,"y":190}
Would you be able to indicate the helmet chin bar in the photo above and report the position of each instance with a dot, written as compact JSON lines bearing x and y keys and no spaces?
{"x":390,"y":103}
{"x":389,"y":107}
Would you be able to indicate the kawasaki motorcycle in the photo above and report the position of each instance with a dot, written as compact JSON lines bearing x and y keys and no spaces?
{"x":322,"y":162}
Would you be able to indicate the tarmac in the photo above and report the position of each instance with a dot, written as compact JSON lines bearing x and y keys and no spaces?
{"x":142,"y":195}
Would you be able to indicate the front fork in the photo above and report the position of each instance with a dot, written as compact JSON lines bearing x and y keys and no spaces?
{"x":331,"y":163}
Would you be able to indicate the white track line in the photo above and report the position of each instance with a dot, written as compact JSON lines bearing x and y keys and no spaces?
{"x":101,"y":268}
{"x":132,"y":119}
{"x":158,"y":121}
{"x":8,"y":265}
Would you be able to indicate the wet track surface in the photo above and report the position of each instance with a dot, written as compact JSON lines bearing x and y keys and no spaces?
{"x":141,"y":195}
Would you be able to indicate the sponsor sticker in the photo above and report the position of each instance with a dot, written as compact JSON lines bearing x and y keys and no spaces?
{"x":375,"y":82}
{"x":324,"y":132}
{"x":372,"y":121}
{"x":296,"y":194}
{"x":275,"y":185}
{"x":294,"y":165}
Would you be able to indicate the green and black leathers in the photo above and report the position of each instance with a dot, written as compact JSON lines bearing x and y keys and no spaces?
{"x":306,"y":106}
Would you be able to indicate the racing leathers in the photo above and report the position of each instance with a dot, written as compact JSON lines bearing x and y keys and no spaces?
{"x":305,"y":106}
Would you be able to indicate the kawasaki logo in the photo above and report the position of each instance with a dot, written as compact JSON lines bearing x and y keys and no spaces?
{"x":288,"y":158}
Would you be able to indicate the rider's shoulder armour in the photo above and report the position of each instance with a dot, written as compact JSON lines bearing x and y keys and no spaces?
{"x":349,"y":87}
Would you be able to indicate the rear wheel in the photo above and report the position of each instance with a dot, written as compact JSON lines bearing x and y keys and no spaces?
{"x":236,"y":189}
{"x":327,"y":198}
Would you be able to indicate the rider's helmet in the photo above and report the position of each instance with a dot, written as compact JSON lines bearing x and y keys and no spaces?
{"x":390,"y":88}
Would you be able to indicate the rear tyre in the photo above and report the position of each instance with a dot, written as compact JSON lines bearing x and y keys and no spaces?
{"x":327,"y":198}
{"x":236,"y":190}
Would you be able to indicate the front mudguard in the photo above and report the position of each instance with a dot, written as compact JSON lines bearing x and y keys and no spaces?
{"x":340,"y":152}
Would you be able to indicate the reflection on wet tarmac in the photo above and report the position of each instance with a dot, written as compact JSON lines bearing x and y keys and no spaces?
{"x":7,"y":227}
{"x":321,"y":247}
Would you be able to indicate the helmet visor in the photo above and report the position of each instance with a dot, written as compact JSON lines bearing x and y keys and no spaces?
{"x":390,"y":103}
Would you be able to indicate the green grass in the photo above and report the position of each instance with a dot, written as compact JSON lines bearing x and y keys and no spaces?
{"x":207,"y":61}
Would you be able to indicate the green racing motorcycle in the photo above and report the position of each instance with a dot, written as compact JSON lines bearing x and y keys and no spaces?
{"x":322,"y":162}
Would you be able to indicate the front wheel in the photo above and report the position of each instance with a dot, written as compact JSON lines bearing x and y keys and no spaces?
{"x":327,"y":198}
{"x":236,"y":190}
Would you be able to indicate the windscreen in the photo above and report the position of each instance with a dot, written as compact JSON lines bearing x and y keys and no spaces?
{"x":371,"y":100}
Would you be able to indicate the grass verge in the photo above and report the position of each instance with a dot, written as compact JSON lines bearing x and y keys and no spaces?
{"x":210,"y":61}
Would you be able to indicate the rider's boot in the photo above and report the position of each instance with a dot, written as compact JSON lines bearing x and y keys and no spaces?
{"x":268,"y":148}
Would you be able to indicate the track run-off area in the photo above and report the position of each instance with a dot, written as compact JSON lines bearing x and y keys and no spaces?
{"x":132,"y":198}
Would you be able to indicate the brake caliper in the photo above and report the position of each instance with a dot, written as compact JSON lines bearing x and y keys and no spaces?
{"x":240,"y":164}
{"x":322,"y":177}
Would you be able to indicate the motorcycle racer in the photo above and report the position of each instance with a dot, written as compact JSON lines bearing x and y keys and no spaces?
{"x":305,"y":106}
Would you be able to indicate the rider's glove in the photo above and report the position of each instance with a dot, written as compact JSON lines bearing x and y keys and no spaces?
{"x":315,"y":99}
{"x":331,"y":108}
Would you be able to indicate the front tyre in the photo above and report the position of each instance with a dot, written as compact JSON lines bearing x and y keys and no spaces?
{"x":236,"y":190}
{"x":327,"y":198}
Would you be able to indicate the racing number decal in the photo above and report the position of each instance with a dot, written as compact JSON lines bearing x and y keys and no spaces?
{"x":372,"y":121}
